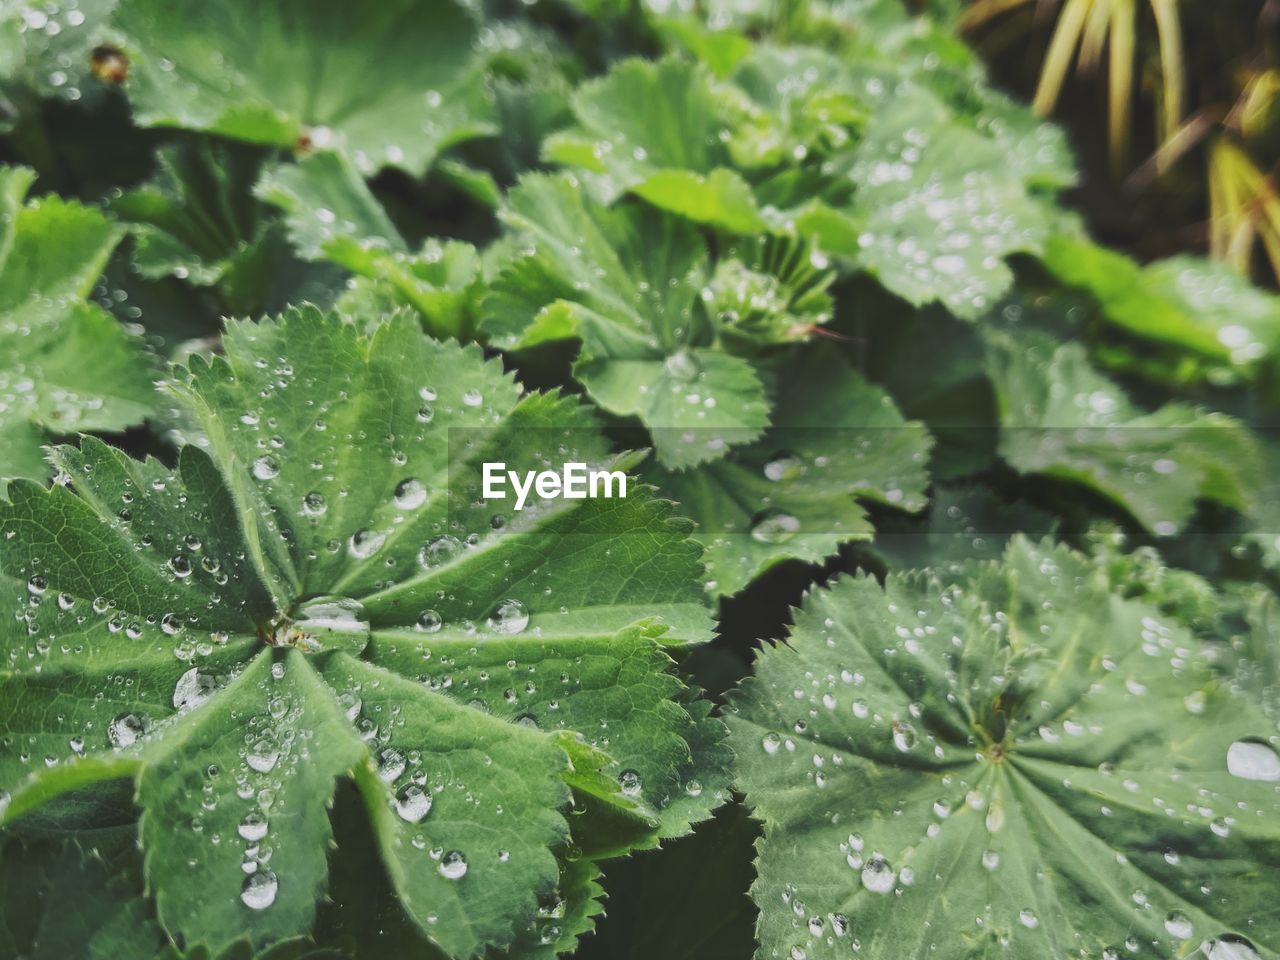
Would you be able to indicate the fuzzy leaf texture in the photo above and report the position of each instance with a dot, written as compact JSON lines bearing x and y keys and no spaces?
{"x":1011,"y":759}
{"x":321,"y":597}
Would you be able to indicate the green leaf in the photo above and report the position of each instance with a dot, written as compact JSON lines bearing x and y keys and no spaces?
{"x":1199,"y":306}
{"x":653,"y":129}
{"x":625,"y":281}
{"x":332,"y":215}
{"x":935,"y":214}
{"x":71,"y":882}
{"x":836,"y":443}
{"x":195,"y":219}
{"x":391,"y":86}
{"x":48,"y":50}
{"x":1015,"y":760}
{"x":1058,"y":416}
{"x":293,"y":608}
{"x":51,"y":254}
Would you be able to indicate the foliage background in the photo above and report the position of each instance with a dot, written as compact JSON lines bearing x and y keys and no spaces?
{"x":217,"y":218}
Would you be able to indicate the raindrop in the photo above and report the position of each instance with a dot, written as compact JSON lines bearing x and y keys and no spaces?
{"x":412,"y":803}
{"x":877,"y":875}
{"x":783,"y":466}
{"x":410,"y":494}
{"x":904,"y":735}
{"x":438,"y":551}
{"x":1229,"y":946}
{"x":363,"y":544}
{"x":391,"y":764}
{"x":125,"y":729}
{"x":428,"y":622}
{"x":773,"y":526}
{"x":511,"y":616}
{"x":314,"y":504}
{"x":266,"y":468}
{"x":259,"y":890}
{"x":192,"y":689}
{"x":682,"y":365}
{"x":453,"y":865}
{"x":1178,"y":924}
{"x":1253,"y":760}
{"x":630,"y":782}
{"x":263,"y":756}
{"x":253,"y":827}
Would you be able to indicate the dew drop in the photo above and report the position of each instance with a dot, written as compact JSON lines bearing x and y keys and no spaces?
{"x":192,"y":689}
{"x":266,"y":468}
{"x":314,"y":504}
{"x":773,"y":526}
{"x":511,"y":616}
{"x":428,"y":622}
{"x":413,"y":803}
{"x":453,"y":865}
{"x":1253,"y":760}
{"x":253,"y":827}
{"x":363,"y":544}
{"x":259,"y":890}
{"x":1178,"y":924}
{"x":877,"y":875}
{"x":410,"y":494}
{"x":125,"y":729}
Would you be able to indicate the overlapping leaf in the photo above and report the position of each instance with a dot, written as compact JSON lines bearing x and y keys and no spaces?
{"x":333,"y":216}
{"x":390,"y":85}
{"x":1058,"y":416}
{"x":1014,"y":760}
{"x":935,"y":213}
{"x":1198,"y":306}
{"x":51,"y":254}
{"x":324,"y":596}
{"x":835,"y":442}
{"x":626,"y":282}
{"x":654,"y":129}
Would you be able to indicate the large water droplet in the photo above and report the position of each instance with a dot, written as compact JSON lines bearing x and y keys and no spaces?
{"x":266,"y":468}
{"x":365,"y":543}
{"x":413,"y":803}
{"x":429,"y":621}
{"x":259,"y":890}
{"x":904,"y":735}
{"x":877,"y":875}
{"x":125,"y":729}
{"x":253,"y":827}
{"x":326,"y":623}
{"x":438,"y":551}
{"x":1229,"y":946}
{"x":1253,"y":760}
{"x":1178,"y":924}
{"x":682,"y":365}
{"x":453,"y":865}
{"x":511,"y":616}
{"x":783,"y":466}
{"x":774,"y":526}
{"x":410,"y":494}
{"x":192,"y":689}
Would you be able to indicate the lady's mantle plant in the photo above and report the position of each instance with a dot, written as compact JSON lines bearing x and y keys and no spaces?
{"x":277,"y":681}
{"x":322,"y":595}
